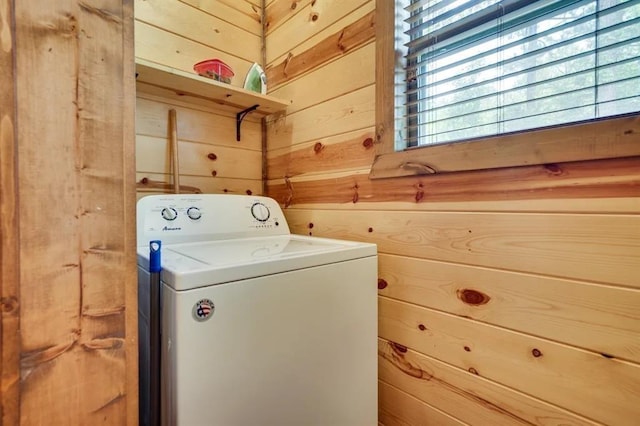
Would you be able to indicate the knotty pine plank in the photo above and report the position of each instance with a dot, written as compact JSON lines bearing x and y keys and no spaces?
{"x":238,"y":13}
{"x":350,"y":37}
{"x":308,"y":44}
{"x":195,"y":126}
{"x":353,"y":111}
{"x":193,"y":24}
{"x":599,"y":318}
{"x":278,"y":12}
{"x":345,"y":151}
{"x":9,"y":227}
{"x":197,"y":159}
{"x":587,"y":383}
{"x":590,"y":247}
{"x":398,"y":408}
{"x":587,"y":179}
{"x":471,"y":398}
{"x":77,"y":260}
{"x":206,"y":185}
{"x":306,"y":20}
{"x":353,"y":71}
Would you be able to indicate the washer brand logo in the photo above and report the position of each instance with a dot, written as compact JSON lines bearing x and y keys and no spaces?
{"x":166,"y":228}
{"x":202,"y":310}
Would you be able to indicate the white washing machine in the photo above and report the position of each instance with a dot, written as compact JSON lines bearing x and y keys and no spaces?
{"x":259,"y":327}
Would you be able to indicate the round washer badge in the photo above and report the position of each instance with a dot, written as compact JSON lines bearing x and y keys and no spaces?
{"x":203,"y":309}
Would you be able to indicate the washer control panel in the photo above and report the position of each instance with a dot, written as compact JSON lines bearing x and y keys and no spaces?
{"x":182,"y":218}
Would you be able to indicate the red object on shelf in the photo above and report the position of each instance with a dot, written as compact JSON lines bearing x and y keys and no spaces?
{"x":215,"y":69}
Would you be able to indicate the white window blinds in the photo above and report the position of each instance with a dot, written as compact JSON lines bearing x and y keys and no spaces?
{"x":477,"y":68}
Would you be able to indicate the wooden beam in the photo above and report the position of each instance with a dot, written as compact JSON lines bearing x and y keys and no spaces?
{"x":77,"y":219}
{"x":385,"y":68}
{"x":340,"y":43}
{"x":9,"y":233}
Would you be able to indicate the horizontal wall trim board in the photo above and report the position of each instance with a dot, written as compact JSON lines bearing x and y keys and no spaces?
{"x":588,"y":179}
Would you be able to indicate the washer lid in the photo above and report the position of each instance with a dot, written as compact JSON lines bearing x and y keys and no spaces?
{"x":192,"y":265}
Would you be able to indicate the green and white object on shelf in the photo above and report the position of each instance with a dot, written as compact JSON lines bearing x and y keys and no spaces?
{"x":256,"y":80}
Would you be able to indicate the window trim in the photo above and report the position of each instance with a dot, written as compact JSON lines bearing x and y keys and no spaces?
{"x":607,"y":138}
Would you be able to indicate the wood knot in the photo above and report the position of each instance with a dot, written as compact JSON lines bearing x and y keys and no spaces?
{"x":536,"y":353}
{"x":422,"y":327}
{"x":318,"y":147}
{"x":314,"y":16}
{"x":628,"y":132}
{"x":473,"y":297}
{"x":249,"y":192}
{"x":144,"y":180}
{"x":382,"y":284}
{"x":467,"y":349}
{"x":398,"y":348}
{"x":473,"y":371}
{"x":370,"y":229}
{"x":294,"y":5}
{"x":310,"y":225}
{"x":8,"y":305}
{"x":368,"y":143}
{"x":211,"y":156}
{"x":553,"y":169}
{"x":419,"y":195}
{"x":214,"y":173}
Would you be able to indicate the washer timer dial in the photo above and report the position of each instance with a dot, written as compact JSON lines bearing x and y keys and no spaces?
{"x":260,"y":212}
{"x":194,"y":213}
{"x":169,"y":213}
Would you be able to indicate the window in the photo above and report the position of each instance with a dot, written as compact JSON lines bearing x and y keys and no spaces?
{"x":497,"y":77}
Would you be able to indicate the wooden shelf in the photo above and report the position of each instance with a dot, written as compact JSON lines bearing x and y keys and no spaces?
{"x":192,"y":85}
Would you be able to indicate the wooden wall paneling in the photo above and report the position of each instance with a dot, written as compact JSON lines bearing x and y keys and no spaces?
{"x":277,"y":13}
{"x":210,"y":127}
{"x":552,"y":181}
{"x":306,"y":21}
{"x":9,"y":226}
{"x":469,"y":398}
{"x":198,"y":159}
{"x":353,"y":111}
{"x":335,"y":45}
{"x":191,"y":23}
{"x":551,"y":371}
{"x":602,"y":248}
{"x":241,"y":14}
{"x":604,"y":319}
{"x":77,"y":260}
{"x":156,"y":45}
{"x":353,"y":71}
{"x":398,"y":408}
{"x":341,"y":152}
{"x":204,"y":185}
{"x":297,"y":47}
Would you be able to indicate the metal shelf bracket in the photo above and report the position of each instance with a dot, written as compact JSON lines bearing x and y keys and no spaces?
{"x":240,"y":116}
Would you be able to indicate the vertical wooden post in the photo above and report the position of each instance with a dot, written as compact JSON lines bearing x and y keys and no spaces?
{"x":9,"y":259}
{"x":71,"y":161}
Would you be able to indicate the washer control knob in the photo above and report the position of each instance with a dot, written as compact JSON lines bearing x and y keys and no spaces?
{"x":260,"y":212}
{"x":194,"y":213}
{"x":169,"y":213}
